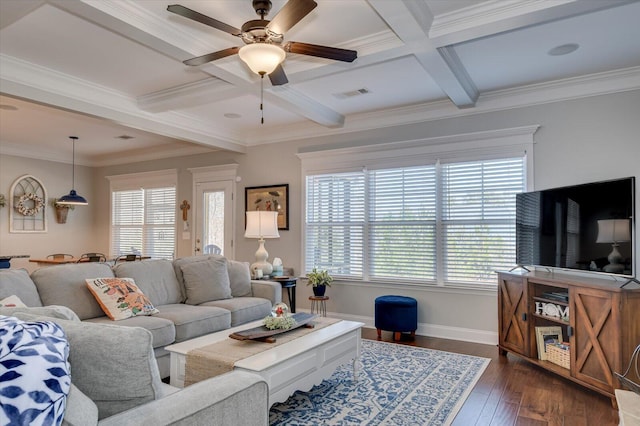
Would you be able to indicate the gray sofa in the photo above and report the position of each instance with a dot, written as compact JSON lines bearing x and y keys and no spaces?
{"x":115,"y":380}
{"x":185,"y":310}
{"x":103,"y":351}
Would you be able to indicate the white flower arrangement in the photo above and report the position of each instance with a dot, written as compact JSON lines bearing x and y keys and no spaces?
{"x":274,"y":323}
{"x":280,"y":318}
{"x":21,"y":205}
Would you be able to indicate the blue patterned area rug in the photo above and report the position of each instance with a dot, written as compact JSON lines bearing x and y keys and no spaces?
{"x":397,"y":384}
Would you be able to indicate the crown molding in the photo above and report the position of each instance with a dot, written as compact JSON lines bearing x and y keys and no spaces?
{"x":530,"y":95}
{"x":27,"y":80}
{"x":496,"y":16}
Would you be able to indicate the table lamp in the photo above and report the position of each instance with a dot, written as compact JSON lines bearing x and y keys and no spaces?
{"x":261,"y":225}
{"x":614,"y":231}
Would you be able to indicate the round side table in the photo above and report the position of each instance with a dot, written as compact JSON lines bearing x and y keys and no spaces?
{"x":319,"y":305}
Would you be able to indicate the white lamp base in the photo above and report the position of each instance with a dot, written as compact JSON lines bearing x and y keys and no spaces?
{"x":261,"y":260}
{"x":614,"y":259}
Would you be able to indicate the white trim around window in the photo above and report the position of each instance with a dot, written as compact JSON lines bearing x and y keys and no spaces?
{"x":364,"y":206}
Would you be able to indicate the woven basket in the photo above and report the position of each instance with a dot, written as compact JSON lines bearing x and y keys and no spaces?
{"x":559,"y":353}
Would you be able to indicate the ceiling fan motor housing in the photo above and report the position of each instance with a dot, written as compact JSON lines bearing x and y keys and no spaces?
{"x":256,"y":31}
{"x":262,"y":7}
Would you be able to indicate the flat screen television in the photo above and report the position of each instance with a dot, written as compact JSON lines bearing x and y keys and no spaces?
{"x":587,"y":227}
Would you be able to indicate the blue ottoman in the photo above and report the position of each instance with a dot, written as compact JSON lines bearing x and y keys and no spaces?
{"x":396,"y":313}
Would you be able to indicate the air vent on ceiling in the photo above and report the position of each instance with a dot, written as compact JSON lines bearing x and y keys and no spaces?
{"x":125,"y":137}
{"x":352,"y":93}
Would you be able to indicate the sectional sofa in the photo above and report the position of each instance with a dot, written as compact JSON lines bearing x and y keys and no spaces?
{"x":194,"y":295}
{"x":116,"y":366}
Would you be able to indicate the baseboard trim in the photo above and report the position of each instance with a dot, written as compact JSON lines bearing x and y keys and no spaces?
{"x":431,"y":330}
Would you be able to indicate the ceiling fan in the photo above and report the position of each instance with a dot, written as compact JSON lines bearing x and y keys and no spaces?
{"x":264,"y":50}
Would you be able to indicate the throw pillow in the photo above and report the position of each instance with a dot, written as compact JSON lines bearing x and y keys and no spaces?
{"x":120,"y":298}
{"x":239,"y":278}
{"x":206,"y":281}
{"x":35,"y":380}
{"x":12,"y":302}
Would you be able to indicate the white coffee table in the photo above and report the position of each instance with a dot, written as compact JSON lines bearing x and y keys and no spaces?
{"x":296,"y":365}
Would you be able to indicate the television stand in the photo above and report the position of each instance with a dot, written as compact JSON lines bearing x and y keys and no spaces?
{"x":601,"y":328}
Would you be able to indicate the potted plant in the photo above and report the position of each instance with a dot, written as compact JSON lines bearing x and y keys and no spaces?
{"x":319,"y":280}
{"x":61,"y":210}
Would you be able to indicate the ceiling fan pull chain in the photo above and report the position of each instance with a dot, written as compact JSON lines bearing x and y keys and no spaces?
{"x":261,"y":97}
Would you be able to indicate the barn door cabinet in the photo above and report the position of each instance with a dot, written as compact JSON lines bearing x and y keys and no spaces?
{"x":602,"y":328}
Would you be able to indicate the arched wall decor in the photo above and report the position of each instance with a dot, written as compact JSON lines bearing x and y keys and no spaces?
{"x":28,"y":199}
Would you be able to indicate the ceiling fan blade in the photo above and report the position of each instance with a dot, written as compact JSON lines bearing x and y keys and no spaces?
{"x":203,"y":19}
{"x":321,"y":51}
{"x":211,"y":56}
{"x":278,"y":77}
{"x":290,"y":14}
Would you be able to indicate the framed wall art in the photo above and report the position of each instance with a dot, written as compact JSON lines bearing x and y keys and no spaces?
{"x":546,"y":335}
{"x":269,"y":198}
{"x":28,"y":205}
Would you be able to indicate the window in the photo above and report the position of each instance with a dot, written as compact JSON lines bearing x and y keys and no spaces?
{"x":143,"y":219}
{"x":443,"y":218}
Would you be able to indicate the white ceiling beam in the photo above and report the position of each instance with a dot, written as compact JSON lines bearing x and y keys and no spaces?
{"x":13,"y":11}
{"x":411,"y":22}
{"x":188,"y":95}
{"x":284,"y":96}
{"x":127,"y":18}
{"x":497,"y":16}
{"x":28,"y":81}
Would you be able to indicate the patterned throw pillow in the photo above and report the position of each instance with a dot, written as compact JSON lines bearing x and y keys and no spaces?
{"x":12,"y":302}
{"x":120,"y":298}
{"x":34,"y":378}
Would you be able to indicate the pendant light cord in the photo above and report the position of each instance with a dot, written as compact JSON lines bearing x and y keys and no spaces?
{"x":73,"y":162}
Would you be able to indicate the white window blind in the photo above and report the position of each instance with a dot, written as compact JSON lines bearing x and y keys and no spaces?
{"x":402,"y":223}
{"x":478,"y":218}
{"x":143,"y":220}
{"x":335,"y":223}
{"x":452,"y":223}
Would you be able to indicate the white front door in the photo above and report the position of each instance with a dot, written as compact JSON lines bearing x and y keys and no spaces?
{"x":213,"y":217}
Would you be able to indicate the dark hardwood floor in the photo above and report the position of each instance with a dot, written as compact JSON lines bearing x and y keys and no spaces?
{"x":514,"y":392}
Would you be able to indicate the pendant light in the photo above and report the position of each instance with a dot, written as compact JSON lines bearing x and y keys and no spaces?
{"x":72,"y":199}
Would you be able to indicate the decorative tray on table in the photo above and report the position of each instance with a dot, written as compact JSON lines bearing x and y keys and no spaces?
{"x":266,"y":335}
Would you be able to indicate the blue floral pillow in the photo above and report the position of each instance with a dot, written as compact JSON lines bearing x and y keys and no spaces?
{"x":34,"y":372}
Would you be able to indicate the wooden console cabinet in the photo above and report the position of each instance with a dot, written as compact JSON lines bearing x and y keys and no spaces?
{"x":603,"y":327}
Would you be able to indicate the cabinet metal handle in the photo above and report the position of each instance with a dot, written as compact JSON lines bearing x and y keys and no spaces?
{"x":524,"y":316}
{"x":569,"y":331}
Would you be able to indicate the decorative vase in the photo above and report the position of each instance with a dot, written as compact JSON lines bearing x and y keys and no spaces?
{"x":319,"y":290}
{"x":61,"y":214}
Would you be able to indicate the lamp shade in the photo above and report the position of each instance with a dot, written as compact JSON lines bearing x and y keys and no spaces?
{"x":262,"y":58}
{"x":72,"y":199}
{"x":613,"y":231}
{"x":262,"y":224}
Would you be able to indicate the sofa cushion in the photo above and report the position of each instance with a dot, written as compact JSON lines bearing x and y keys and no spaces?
{"x":162,"y":330}
{"x":206,"y":280}
{"x":113,"y":365}
{"x":179,"y":263}
{"x":195,"y":321}
{"x":65,"y":285}
{"x":239,"y":278}
{"x":53,"y":311}
{"x":243,"y":309}
{"x":16,"y":282}
{"x":156,"y":278}
{"x":35,"y":378}
{"x":120,"y":298}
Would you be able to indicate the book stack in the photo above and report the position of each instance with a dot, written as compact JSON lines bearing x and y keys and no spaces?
{"x":554,"y":295}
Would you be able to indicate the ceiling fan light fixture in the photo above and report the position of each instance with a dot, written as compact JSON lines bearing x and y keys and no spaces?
{"x":262,"y":58}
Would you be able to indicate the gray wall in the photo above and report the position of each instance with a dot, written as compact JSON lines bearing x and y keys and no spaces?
{"x":579,"y":141}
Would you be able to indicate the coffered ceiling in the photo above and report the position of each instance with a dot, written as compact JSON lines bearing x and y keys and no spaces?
{"x":110,"y":68}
